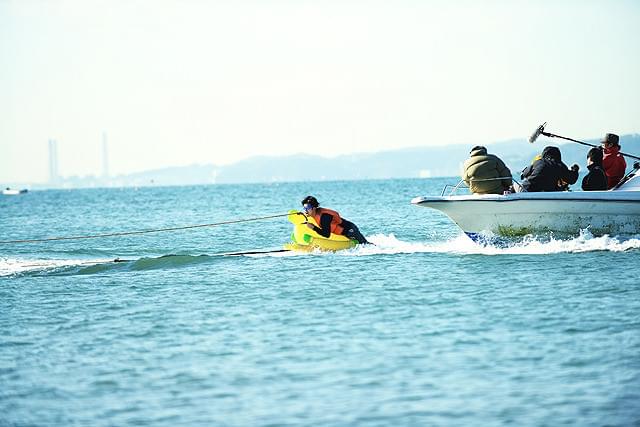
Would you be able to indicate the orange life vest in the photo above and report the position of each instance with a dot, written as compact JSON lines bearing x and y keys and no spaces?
{"x":336,"y":221}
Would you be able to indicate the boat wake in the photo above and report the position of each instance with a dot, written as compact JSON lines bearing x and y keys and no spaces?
{"x":17,"y":267}
{"x":383,"y":245}
{"x":50,"y":267}
{"x":494,"y":245}
{"x":63,"y":267}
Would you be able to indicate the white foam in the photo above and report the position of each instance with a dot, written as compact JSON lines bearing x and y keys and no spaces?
{"x":530,"y":245}
{"x":10,"y":267}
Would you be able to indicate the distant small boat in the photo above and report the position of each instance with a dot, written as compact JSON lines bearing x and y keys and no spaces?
{"x":13,"y":192}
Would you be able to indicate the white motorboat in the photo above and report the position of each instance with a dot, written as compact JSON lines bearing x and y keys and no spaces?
{"x":13,"y":192}
{"x":614,"y":212}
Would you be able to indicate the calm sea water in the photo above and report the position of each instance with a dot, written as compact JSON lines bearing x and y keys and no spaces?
{"x":426,"y":328}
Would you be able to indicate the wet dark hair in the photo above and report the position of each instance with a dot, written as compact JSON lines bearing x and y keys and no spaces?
{"x":595,"y":154}
{"x":311,"y":201}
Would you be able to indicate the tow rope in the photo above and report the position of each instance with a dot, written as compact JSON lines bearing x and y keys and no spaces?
{"x":129,"y":233}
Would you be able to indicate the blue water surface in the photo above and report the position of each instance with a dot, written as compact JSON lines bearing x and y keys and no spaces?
{"x":425,"y":328}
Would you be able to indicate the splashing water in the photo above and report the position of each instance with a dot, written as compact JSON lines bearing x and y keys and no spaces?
{"x":530,"y":245}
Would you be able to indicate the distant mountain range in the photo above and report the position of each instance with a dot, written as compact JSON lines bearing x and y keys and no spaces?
{"x":402,"y":163}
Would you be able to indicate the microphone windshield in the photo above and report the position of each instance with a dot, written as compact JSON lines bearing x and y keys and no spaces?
{"x":537,"y":133}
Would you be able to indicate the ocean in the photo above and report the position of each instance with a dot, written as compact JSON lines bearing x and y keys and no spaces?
{"x":426,"y":328}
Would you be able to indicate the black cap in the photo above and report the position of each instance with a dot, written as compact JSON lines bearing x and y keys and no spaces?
{"x":611,"y":138}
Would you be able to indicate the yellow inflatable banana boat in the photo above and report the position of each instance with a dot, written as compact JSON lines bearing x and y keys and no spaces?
{"x":305,"y":239}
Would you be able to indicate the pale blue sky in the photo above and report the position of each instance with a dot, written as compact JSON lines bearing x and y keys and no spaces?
{"x":181,"y":82}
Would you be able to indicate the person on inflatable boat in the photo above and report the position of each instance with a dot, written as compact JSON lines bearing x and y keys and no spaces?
{"x":330,"y":221}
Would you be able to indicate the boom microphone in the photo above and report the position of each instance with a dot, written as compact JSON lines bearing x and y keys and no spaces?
{"x":537,"y":133}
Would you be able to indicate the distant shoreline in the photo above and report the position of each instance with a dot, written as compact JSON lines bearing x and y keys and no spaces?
{"x":415,"y":162}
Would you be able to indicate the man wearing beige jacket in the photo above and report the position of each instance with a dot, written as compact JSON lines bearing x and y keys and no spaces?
{"x":485,"y":173}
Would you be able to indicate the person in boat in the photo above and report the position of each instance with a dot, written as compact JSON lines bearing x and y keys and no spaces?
{"x":595,"y":180}
{"x":547,"y":172}
{"x":330,"y":221}
{"x":613,"y":162}
{"x":486,"y":173}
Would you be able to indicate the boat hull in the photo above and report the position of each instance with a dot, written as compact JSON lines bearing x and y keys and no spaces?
{"x":12,"y":192}
{"x":602,"y":212}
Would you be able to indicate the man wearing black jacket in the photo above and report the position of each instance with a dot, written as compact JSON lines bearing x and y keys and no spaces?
{"x":548,"y":173}
{"x":596,"y":179}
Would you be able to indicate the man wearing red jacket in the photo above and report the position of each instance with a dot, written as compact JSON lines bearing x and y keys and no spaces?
{"x":613,"y":162}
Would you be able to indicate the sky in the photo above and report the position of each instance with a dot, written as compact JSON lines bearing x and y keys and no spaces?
{"x":175,"y":83}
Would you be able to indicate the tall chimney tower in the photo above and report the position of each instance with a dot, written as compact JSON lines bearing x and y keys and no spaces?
{"x":53,"y":161}
{"x":105,"y":156}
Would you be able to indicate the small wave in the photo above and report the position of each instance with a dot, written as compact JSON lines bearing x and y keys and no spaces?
{"x":168,"y":261}
{"x":20,"y":267}
{"x":16,"y":267}
{"x":35,"y":267}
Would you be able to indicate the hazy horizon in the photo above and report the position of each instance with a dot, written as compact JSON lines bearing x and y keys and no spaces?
{"x":407,"y":162}
{"x":179,"y":83}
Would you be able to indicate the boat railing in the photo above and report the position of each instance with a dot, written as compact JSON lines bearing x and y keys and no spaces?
{"x":462,"y":183}
{"x":627,"y":177}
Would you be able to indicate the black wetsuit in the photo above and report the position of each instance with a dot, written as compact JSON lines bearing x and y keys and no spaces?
{"x":350,"y":229}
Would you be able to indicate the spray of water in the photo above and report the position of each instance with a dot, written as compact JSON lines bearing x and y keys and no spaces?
{"x":529,"y":245}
